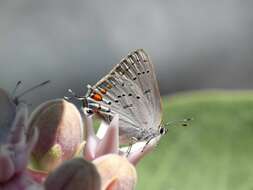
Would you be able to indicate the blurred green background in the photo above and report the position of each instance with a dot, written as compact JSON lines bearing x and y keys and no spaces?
{"x":214,"y":152}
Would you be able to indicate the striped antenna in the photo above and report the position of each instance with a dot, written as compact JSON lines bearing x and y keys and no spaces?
{"x":182,"y":122}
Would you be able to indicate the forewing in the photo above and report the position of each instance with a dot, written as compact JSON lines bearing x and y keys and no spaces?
{"x":131,"y":91}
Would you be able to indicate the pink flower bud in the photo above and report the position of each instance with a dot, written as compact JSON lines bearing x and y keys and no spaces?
{"x":60,"y":133}
{"x":116,"y":172}
{"x":7,"y":167}
{"x":77,"y":174}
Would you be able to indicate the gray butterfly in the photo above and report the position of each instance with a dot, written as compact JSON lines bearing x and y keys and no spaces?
{"x":130,"y":90}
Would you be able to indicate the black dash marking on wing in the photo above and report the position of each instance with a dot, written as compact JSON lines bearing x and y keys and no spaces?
{"x":147,"y":91}
{"x":128,"y":106}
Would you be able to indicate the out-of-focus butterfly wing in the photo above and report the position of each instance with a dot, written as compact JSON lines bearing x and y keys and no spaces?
{"x":130,"y":90}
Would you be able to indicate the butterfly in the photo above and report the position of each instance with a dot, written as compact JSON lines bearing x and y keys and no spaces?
{"x":131,"y":90}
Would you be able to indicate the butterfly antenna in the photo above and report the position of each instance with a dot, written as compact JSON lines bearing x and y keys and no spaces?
{"x":182,"y":122}
{"x":16,"y":87}
{"x":30,"y":89}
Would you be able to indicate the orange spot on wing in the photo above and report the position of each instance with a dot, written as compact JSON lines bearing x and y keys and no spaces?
{"x":96,"y":97}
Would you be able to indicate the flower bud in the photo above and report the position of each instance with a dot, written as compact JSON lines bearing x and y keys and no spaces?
{"x":60,"y":133}
{"x":75,"y":174}
{"x":7,"y":168}
{"x":116,"y":172}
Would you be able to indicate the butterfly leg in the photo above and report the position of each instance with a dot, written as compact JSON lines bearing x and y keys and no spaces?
{"x":132,"y":141}
{"x":148,"y":141}
{"x":73,"y":95}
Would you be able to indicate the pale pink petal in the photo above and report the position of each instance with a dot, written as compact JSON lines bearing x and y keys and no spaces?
{"x":17,"y":133}
{"x":110,"y":141}
{"x":88,"y":123}
{"x":17,"y":139}
{"x":137,"y":151}
{"x":90,"y":148}
{"x":22,"y":151}
{"x":102,"y":129}
{"x":91,"y":140}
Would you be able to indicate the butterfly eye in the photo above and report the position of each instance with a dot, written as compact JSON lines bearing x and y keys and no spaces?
{"x":163,"y":130}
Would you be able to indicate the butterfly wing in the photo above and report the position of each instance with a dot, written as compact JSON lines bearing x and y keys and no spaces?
{"x":130,"y":90}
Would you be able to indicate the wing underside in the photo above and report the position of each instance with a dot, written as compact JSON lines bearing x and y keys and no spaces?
{"x":130,"y":90}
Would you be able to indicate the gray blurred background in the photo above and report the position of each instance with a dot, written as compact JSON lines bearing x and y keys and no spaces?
{"x":193,"y":44}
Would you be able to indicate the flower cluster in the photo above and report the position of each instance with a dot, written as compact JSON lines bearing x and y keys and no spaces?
{"x":56,"y":148}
